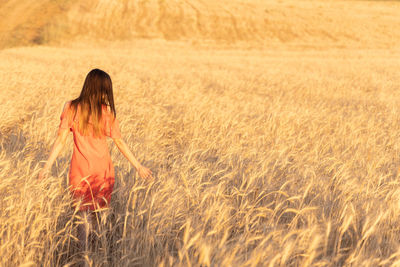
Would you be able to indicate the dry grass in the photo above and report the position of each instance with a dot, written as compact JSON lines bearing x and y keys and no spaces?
{"x":261,"y":157}
{"x":278,"y":156}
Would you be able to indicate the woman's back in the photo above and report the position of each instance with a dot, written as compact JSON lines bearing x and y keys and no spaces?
{"x":70,"y":119}
{"x":91,"y":162}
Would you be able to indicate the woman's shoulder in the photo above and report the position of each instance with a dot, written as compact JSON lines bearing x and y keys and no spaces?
{"x":66,"y":105}
{"x":107,"y":111}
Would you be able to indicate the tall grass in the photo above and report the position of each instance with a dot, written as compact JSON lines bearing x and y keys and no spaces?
{"x":261,"y":157}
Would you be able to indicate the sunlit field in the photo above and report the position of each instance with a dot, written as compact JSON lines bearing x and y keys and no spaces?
{"x":264,"y":154}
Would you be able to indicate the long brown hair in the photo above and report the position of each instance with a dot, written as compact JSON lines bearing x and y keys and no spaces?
{"x":97,"y":91}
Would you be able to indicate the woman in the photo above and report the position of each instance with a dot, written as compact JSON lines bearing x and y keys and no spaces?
{"x":91,"y":117}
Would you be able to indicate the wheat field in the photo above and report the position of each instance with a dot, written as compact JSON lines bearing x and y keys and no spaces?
{"x":276,"y":144}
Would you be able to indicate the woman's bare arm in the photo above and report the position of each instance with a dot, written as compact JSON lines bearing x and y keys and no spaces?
{"x":57,"y":147}
{"x":123,"y":147}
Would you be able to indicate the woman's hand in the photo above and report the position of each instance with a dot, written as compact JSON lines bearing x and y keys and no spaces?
{"x":43,"y":174}
{"x":144,"y":172}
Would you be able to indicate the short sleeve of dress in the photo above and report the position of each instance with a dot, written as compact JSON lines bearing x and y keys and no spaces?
{"x":65,"y":120}
{"x":113,"y":130}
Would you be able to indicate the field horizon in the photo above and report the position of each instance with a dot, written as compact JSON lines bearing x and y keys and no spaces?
{"x":257,"y":23}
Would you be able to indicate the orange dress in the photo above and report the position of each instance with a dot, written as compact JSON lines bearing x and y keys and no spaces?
{"x":91,"y":172}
